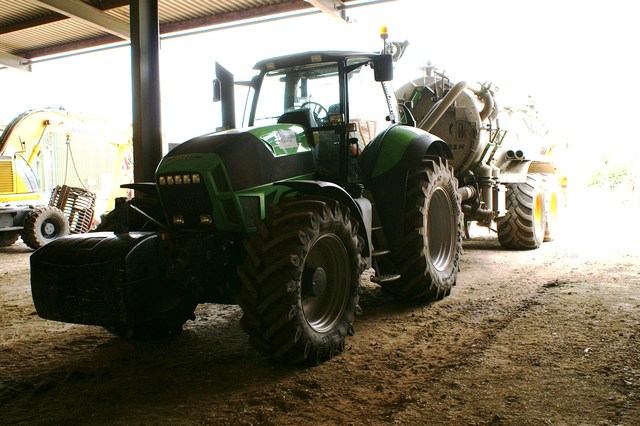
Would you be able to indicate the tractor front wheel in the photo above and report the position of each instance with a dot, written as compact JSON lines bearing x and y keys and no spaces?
{"x":301,"y":280}
{"x":43,"y":225}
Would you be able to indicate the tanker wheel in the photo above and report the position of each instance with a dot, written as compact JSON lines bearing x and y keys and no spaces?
{"x":552,"y":206}
{"x":43,"y":225}
{"x":429,"y":255}
{"x":7,"y":238}
{"x":301,"y":280}
{"x":523,"y":226}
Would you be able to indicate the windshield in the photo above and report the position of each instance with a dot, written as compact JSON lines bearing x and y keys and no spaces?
{"x":315,"y":87}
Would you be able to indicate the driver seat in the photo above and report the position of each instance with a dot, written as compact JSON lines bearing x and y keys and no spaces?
{"x":302,"y":117}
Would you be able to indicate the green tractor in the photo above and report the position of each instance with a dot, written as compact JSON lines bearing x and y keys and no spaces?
{"x":280,"y":217}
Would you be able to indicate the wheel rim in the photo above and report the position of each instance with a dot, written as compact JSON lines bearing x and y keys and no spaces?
{"x":325,"y":283}
{"x":440,"y":229}
{"x":49,"y":229}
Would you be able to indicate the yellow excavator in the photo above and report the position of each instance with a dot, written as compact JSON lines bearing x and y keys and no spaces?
{"x":81,"y":161}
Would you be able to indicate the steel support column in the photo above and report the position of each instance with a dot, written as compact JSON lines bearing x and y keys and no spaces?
{"x":145,"y":65}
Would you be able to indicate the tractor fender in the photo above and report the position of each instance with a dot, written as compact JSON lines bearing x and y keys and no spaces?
{"x":360,"y":208}
{"x":386,"y":163}
{"x":400,"y":148}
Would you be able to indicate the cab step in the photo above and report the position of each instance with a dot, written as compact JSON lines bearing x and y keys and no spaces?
{"x":380,"y":279}
{"x":377,"y":253}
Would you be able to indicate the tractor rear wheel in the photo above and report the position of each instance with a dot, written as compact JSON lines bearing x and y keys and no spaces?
{"x":43,"y":225}
{"x":428,"y":258}
{"x":523,"y":226}
{"x":301,"y":280}
{"x":7,"y":238}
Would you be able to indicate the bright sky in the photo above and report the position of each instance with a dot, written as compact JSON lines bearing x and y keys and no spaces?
{"x":577,"y":59}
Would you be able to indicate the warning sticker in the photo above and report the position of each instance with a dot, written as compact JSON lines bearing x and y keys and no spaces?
{"x":286,"y":139}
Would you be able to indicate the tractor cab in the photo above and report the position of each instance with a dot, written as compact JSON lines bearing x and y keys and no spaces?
{"x":335,"y":96}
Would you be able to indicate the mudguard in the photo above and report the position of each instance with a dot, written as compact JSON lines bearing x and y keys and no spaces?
{"x":386,"y":161}
{"x":101,"y":278}
{"x":359,"y":208}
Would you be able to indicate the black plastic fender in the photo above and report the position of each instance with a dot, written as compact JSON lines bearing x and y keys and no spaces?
{"x":359,"y":208}
{"x":386,"y":163}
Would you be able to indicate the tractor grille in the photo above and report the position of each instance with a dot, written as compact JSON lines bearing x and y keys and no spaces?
{"x":189,"y":202}
{"x":6,"y":176}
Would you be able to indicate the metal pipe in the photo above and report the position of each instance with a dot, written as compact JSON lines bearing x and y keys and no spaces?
{"x":486,"y":98}
{"x":489,"y":108}
{"x":441,"y":106}
{"x":514,"y":155}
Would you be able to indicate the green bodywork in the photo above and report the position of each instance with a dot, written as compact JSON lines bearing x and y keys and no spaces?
{"x":392,"y":148}
{"x":228,"y":209}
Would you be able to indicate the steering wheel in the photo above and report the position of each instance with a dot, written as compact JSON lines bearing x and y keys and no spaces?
{"x":320,"y":113}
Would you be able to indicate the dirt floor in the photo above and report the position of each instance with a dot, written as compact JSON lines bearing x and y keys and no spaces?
{"x":550,"y":336}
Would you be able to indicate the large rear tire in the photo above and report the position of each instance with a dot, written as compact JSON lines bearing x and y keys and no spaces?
{"x":43,"y":225}
{"x":301,"y":280}
{"x":428,"y":258}
{"x":523,"y":226}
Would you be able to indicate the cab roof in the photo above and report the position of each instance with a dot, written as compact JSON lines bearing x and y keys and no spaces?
{"x":311,"y":57}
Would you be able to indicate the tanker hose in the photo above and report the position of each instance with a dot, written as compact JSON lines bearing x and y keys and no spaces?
{"x":467,"y":192}
{"x":487,"y":99}
{"x":441,"y":107}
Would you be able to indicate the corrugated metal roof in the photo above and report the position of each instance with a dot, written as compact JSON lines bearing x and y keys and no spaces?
{"x":30,"y":30}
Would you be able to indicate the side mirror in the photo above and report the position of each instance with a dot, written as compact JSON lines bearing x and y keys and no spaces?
{"x":217,"y":90}
{"x":383,"y":67}
{"x":223,"y":90}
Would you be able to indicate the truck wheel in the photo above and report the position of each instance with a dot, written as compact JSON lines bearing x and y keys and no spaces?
{"x":428,"y":258}
{"x":8,"y":238}
{"x":522,"y":227}
{"x":552,"y":206}
{"x":301,"y":280}
{"x":43,"y":225}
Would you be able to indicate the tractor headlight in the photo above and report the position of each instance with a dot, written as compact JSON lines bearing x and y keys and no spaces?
{"x":179,"y":179}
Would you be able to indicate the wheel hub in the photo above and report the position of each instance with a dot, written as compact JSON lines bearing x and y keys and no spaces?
{"x":49,"y":229}
{"x":314,"y":281}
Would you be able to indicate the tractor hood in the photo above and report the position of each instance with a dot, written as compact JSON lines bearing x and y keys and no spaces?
{"x":224,"y":180}
{"x":251,"y":157}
